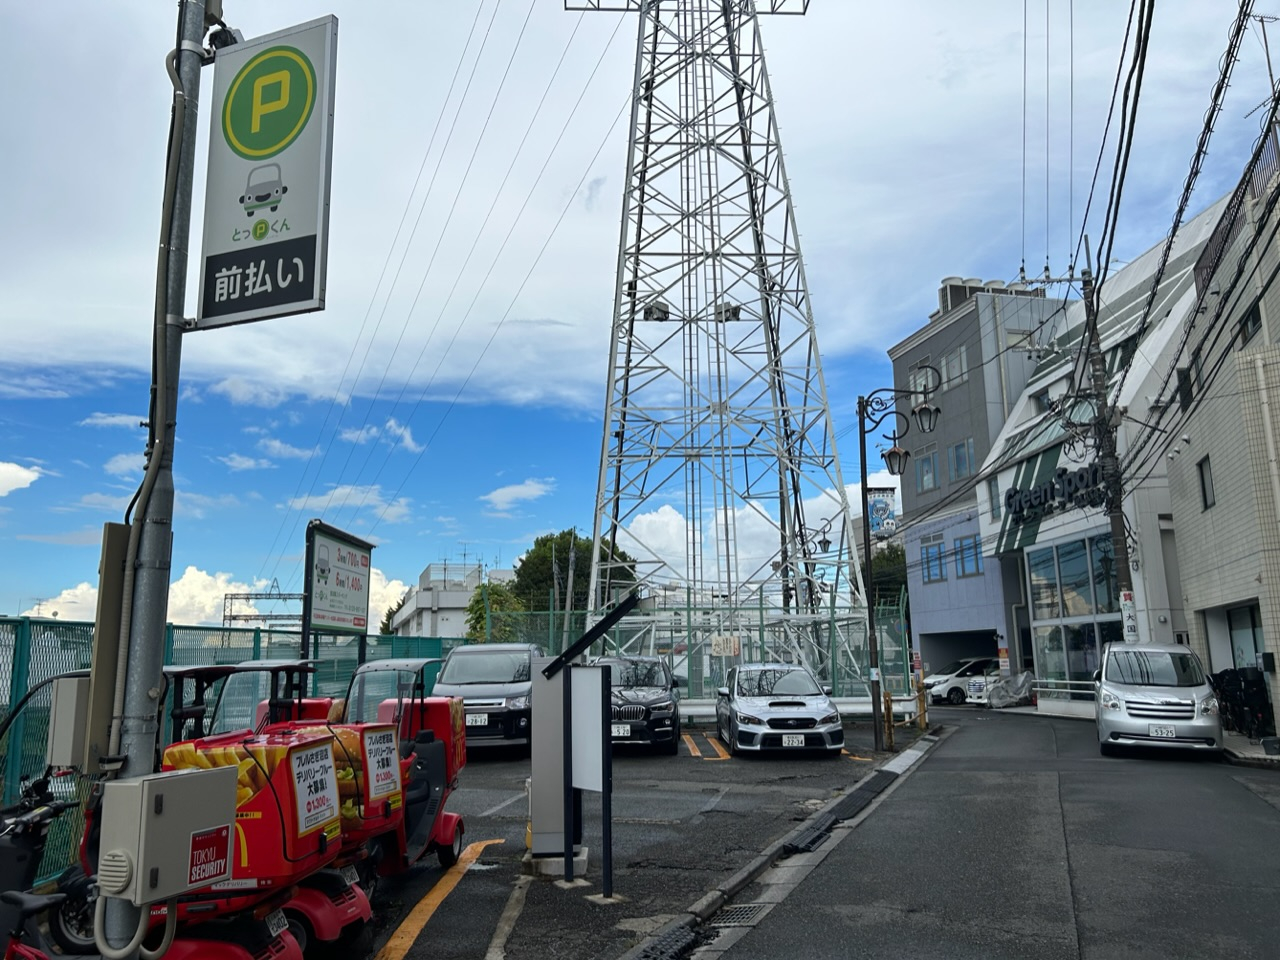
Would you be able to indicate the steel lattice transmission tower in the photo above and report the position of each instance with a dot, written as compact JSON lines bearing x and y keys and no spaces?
{"x":717,"y":423}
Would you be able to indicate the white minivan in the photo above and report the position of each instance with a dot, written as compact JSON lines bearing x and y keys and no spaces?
{"x":951,"y":683}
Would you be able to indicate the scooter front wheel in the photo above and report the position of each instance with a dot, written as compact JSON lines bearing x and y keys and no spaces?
{"x":449,"y":855}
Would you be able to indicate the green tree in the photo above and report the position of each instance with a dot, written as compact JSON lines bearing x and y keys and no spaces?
{"x":888,"y":572}
{"x":494,"y":614}
{"x":384,"y":627}
{"x":535,"y":576}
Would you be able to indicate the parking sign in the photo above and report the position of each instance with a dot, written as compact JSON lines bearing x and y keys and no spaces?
{"x":266,"y":208}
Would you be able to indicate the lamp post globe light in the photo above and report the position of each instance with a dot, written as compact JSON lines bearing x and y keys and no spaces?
{"x":873,"y":410}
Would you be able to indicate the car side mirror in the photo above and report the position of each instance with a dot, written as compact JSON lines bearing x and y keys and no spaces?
{"x":722,"y":692}
{"x":1097,"y":676}
{"x":677,"y":681}
{"x":828,"y":691}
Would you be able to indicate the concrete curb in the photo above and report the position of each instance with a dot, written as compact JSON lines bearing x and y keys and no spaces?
{"x":710,"y":903}
{"x":1241,"y":760}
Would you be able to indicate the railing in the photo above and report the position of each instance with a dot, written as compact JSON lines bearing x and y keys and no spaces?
{"x":1065,"y":698}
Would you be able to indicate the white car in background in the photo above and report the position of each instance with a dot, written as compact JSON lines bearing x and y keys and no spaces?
{"x":951,"y":683}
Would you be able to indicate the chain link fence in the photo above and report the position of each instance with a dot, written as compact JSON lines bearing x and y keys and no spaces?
{"x":699,"y":644}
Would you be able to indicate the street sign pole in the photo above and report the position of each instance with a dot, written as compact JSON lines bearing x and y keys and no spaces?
{"x":153,"y":522}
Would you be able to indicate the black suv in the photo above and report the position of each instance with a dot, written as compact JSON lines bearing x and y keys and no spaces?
{"x":646,"y":702}
{"x":494,"y":682}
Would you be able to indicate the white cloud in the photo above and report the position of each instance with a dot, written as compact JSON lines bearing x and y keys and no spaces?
{"x":14,"y":476}
{"x":504,"y":498}
{"x":236,"y":461}
{"x":196,"y":596}
{"x":355,"y":497}
{"x":126,"y":465}
{"x":112,"y":420}
{"x":403,"y":434}
{"x":363,"y":435}
{"x":243,"y":391}
{"x":75,"y":603}
{"x":382,"y":594}
{"x":278,"y":448}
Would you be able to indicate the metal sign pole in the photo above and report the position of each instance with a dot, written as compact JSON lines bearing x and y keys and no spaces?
{"x":152,"y":554}
{"x":568,"y":774}
{"x":606,"y":794}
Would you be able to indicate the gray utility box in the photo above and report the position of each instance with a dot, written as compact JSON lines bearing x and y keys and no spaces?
{"x":68,"y":718}
{"x":167,"y":833}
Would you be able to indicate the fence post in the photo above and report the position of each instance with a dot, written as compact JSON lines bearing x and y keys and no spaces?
{"x":257,"y":643}
{"x":169,"y":635}
{"x":19,"y":676}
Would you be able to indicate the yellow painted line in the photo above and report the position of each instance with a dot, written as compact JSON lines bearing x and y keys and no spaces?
{"x":693,"y":748}
{"x":715,"y":742}
{"x":412,"y":925}
{"x":854,"y":756}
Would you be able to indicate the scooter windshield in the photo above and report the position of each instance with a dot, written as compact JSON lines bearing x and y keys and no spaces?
{"x":370,"y":691}
{"x":237,"y":707}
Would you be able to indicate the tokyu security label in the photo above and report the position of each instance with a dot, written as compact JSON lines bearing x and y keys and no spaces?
{"x":382,"y":765}
{"x":315,"y":787}
{"x":210,"y":856}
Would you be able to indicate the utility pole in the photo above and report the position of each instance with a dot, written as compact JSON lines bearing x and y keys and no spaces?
{"x":1106,"y":421}
{"x":151,"y":537}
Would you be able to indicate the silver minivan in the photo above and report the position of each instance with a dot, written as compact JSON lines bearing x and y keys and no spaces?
{"x":1154,"y":695}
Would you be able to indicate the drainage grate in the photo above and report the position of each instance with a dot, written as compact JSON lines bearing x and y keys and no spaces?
{"x":674,"y":943}
{"x":739,"y":915}
{"x":812,"y":837}
{"x":863,"y":794}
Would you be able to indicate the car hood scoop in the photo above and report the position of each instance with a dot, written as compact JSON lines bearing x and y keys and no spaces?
{"x":788,"y":703}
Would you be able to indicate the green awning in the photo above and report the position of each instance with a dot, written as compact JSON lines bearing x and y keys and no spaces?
{"x":1029,"y":473}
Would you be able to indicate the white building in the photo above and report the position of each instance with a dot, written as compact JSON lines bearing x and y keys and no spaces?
{"x":437,"y":607}
{"x":1040,"y":503}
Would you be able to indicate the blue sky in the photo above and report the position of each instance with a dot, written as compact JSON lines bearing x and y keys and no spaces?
{"x":448,"y":401}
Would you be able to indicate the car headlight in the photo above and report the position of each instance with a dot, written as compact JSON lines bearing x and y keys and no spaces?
{"x":833,"y":717}
{"x":747,"y":718}
{"x":1110,"y":701}
{"x":1209,"y":706}
{"x":518,"y":703}
{"x":662,"y":706}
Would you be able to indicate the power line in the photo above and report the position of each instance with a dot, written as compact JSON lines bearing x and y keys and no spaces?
{"x":333,"y":403}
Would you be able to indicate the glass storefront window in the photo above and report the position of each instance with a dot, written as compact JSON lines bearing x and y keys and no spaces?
{"x":1051,"y":661}
{"x":1077,"y":588}
{"x":1082,"y":650}
{"x":1043,"y":571}
{"x":1109,"y":631}
{"x":1104,"y":575}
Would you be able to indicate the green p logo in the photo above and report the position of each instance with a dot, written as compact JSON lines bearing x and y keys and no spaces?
{"x":269,"y":103}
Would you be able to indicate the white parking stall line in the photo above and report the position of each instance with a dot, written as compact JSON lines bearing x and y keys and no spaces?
{"x":505,"y":803}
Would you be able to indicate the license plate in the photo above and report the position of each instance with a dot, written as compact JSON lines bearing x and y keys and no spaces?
{"x":1158,"y":730}
{"x":350,"y":875}
{"x":477,"y":719}
{"x":622,"y":730}
{"x":276,"y":923}
{"x":793,"y":739}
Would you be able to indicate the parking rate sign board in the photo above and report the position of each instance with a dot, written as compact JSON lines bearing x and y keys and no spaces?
{"x":266,"y":208}
{"x":339,"y":584}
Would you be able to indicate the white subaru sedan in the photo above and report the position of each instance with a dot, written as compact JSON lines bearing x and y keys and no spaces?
{"x":775,"y":707}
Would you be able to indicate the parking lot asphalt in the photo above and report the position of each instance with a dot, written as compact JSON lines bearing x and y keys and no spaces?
{"x":682,"y":826}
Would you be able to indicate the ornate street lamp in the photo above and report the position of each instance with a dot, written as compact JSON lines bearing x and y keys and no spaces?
{"x":873,"y":410}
